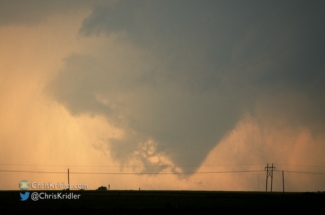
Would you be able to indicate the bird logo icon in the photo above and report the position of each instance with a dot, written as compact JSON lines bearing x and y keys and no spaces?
{"x":24,"y":197}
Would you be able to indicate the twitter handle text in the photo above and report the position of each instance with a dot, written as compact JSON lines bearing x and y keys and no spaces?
{"x":42,"y":196}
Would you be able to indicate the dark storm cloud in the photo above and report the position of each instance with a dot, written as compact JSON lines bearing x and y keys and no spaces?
{"x":213,"y":61}
{"x":21,"y":12}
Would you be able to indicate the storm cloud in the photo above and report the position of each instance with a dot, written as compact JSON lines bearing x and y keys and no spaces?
{"x":177,"y":76}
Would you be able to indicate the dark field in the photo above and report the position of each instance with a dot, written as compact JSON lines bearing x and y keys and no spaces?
{"x":162,"y":202}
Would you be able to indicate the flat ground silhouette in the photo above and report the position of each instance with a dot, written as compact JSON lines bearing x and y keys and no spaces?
{"x":155,"y":202}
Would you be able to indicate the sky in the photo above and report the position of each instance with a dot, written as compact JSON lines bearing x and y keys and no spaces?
{"x":163,"y":95}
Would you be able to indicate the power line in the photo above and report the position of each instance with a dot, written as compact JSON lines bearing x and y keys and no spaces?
{"x":132,"y":173}
{"x":302,"y":172}
{"x":180,"y":173}
{"x":173,"y":173}
{"x":27,"y":171}
{"x":131,"y":165}
{"x":301,"y":165}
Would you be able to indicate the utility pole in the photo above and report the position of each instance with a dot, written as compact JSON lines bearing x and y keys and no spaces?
{"x":269,"y":173}
{"x":283,"y":180}
{"x":68,"y":180}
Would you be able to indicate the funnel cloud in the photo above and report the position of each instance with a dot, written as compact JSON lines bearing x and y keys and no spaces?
{"x":176,"y":77}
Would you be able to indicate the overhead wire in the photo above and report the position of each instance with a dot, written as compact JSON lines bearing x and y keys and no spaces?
{"x":131,"y":173}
